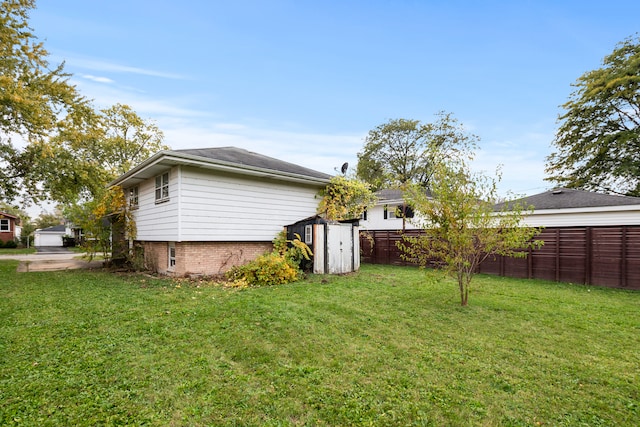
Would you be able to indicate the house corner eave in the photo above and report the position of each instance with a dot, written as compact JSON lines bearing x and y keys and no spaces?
{"x":167,"y":159}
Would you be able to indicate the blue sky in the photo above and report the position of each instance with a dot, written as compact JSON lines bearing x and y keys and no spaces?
{"x":304,"y":81}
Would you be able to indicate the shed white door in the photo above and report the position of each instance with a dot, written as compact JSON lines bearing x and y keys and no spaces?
{"x":43,"y":239}
{"x":340,"y":248}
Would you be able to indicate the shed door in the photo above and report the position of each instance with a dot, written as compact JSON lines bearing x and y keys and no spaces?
{"x":340,"y":248}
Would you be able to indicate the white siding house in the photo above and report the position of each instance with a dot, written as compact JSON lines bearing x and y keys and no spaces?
{"x":560,"y":207}
{"x":563,"y":207}
{"x":387,"y":214}
{"x":202,"y":211}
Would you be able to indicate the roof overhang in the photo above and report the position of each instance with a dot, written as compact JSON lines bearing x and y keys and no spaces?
{"x":163,"y":160}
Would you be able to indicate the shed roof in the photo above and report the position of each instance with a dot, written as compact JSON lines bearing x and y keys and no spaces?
{"x":566,"y":198}
{"x":229,"y":159}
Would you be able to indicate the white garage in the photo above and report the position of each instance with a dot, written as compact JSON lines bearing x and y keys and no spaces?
{"x":51,"y":236}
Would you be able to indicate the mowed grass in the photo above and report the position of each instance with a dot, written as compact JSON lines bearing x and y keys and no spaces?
{"x":386,"y":346}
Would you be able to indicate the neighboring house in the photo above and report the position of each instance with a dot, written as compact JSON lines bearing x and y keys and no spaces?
{"x":202,"y":211}
{"x":9,"y":227}
{"x":51,"y":236}
{"x":565,"y":207}
{"x":389,"y":213}
{"x":560,"y":207}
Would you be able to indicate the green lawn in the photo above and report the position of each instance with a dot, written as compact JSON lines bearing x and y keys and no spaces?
{"x":386,"y":346}
{"x":17,"y":251}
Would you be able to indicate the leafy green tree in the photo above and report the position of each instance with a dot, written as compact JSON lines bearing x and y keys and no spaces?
{"x":598,"y":141}
{"x":94,"y":149}
{"x":46,"y":220}
{"x":402,"y":152}
{"x":345,"y":198}
{"x":459,"y":226}
{"x":53,"y":144}
{"x":128,"y":139}
{"x":33,"y":96}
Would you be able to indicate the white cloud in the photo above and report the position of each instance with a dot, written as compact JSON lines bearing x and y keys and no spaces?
{"x":96,"y":78}
{"x":74,"y":61}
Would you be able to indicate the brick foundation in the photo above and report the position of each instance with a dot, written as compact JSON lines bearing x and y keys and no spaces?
{"x":201,"y":258}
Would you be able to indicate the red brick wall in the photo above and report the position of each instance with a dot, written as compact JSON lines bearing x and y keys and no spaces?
{"x":6,"y":236}
{"x":202,"y":258}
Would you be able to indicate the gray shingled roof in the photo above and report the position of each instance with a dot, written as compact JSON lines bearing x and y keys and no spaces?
{"x":249,"y":158}
{"x":393,"y":194}
{"x":565,"y":198}
{"x":55,"y":228}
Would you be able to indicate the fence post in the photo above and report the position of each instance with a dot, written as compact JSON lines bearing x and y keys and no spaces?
{"x":588,"y":255}
{"x":557,"y":254}
{"x":623,"y":267}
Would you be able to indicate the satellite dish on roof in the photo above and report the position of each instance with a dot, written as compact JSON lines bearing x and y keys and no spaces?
{"x":344,"y":168}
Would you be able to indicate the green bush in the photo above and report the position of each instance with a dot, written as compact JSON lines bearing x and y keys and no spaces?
{"x":268,"y":269}
{"x":11,"y":244}
{"x":1,"y":244}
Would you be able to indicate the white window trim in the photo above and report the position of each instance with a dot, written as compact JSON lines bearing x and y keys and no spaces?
{"x":163,"y":187}
{"x":134,"y":197}
{"x":390,"y":211}
{"x":8,"y":228}
{"x":308,"y":234}
{"x":171,"y":256}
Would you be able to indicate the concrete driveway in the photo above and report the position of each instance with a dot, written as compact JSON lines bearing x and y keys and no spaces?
{"x":52,"y":250}
{"x":52,"y":259}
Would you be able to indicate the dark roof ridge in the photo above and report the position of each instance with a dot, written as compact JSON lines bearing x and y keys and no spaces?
{"x":241,"y":156}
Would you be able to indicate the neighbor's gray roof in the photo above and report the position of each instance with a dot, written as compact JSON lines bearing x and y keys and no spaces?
{"x":244,"y":157}
{"x":566,"y":198}
{"x":55,"y":228}
{"x":390,"y":194}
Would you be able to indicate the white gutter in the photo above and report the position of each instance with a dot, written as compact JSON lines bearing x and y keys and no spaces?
{"x":198,"y":161}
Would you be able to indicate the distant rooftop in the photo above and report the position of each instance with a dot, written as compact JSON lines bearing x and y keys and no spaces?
{"x":389,"y":194}
{"x":55,"y":228}
{"x":565,"y":198}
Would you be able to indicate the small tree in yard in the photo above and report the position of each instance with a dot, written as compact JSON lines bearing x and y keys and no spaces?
{"x":460,"y":227}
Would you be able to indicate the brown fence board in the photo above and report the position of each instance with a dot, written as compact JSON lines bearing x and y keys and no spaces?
{"x":602,"y":256}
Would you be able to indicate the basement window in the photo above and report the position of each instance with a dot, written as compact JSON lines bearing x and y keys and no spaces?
{"x":172,"y":256}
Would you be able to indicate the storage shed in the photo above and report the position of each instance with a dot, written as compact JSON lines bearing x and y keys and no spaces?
{"x":335,"y":244}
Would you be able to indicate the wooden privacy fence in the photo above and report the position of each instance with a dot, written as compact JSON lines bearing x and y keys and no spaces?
{"x":602,"y":256}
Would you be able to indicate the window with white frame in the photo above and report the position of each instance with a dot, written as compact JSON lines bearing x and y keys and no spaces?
{"x":162,"y":187}
{"x":308,"y":234}
{"x":172,"y":256}
{"x":133,"y":197}
{"x":389,"y":212}
{"x":4,"y":225}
